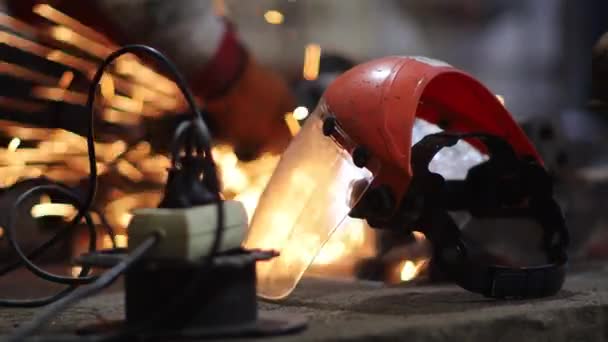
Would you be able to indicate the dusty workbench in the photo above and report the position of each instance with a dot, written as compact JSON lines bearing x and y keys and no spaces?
{"x":362,"y":311}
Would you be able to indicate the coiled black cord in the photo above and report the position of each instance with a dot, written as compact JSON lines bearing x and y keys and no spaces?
{"x":197,"y":132}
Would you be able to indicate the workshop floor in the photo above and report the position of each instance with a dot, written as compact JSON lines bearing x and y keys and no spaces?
{"x":348,"y":311}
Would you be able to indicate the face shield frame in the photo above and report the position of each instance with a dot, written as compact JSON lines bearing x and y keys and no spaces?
{"x":503,"y":186}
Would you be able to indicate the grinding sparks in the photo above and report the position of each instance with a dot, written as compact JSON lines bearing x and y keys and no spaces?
{"x":61,"y":33}
{"x":410,"y":269}
{"x":125,"y":219}
{"x":330,"y":253}
{"x":292,"y":124}
{"x":132,"y":91}
{"x":65,"y":35}
{"x":21,"y":72}
{"x":13,"y":145}
{"x":129,"y":171}
{"x":346,"y":241}
{"x":53,"y":15}
{"x":121,"y":240}
{"x":60,"y":95}
{"x":300,"y":113}
{"x":107,"y":242}
{"x":274,"y":17}
{"x":75,"y":270}
{"x":418,"y":236}
{"x":53,"y":209}
{"x":66,"y":80}
{"x":107,"y":87}
{"x":47,"y":208}
{"x":312,"y":60}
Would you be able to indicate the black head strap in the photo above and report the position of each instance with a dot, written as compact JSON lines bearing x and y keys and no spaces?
{"x":504,"y":185}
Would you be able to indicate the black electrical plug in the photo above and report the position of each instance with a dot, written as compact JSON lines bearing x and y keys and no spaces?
{"x":189,"y":185}
{"x":192,"y":177}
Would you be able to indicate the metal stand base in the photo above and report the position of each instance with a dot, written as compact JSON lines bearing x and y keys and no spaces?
{"x":171,"y":299}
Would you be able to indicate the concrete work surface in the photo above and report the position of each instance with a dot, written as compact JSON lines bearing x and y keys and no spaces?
{"x":359,"y":311}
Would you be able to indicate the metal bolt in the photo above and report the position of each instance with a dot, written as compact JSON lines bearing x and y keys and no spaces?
{"x":329,"y":125}
{"x":360,"y":156}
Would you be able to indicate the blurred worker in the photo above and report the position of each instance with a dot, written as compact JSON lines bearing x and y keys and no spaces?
{"x":247,"y":101}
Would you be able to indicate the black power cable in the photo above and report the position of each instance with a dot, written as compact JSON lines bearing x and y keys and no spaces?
{"x":10,"y":229}
{"x":23,"y":259}
{"x":82,"y":292}
{"x":197,"y":133}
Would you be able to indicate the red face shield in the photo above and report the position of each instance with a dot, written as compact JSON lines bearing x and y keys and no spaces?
{"x":356,"y":152}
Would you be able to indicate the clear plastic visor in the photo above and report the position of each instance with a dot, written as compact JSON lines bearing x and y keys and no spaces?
{"x":310,"y":194}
